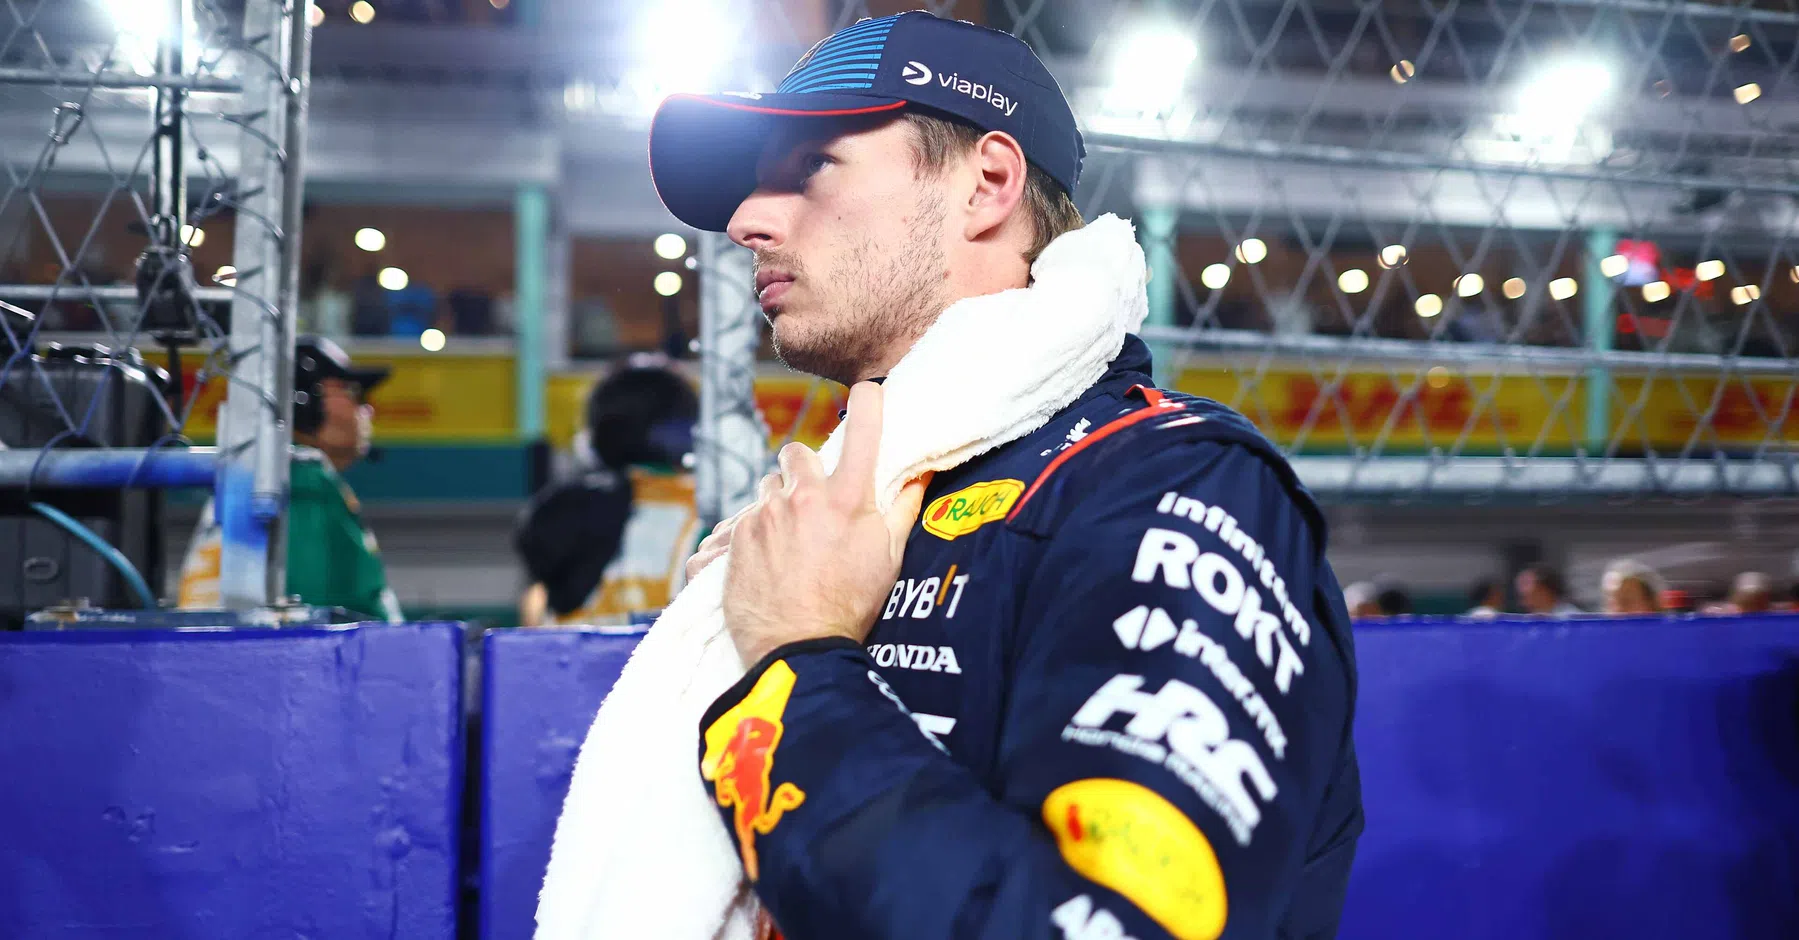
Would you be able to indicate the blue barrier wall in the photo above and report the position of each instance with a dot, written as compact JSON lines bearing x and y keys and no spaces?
{"x":237,"y":784}
{"x":1593,"y":779}
{"x":540,"y":691}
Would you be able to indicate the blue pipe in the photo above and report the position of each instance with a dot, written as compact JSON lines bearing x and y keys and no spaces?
{"x":108,"y":468}
{"x":113,"y":556}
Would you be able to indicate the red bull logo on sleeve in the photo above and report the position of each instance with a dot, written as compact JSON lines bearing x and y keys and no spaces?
{"x":967,"y":509}
{"x":740,"y":756}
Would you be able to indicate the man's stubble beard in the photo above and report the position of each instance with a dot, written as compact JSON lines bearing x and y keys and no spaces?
{"x":872,"y":303}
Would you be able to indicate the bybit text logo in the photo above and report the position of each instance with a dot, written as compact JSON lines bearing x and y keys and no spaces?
{"x":916,"y":73}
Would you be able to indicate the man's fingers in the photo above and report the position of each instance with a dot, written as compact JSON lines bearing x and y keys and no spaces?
{"x":768,"y":486}
{"x":800,"y":464}
{"x":855,"y":473}
{"x":906,"y":506}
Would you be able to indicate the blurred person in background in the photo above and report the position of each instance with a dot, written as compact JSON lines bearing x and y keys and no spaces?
{"x":1363,"y":600}
{"x":1544,"y":592}
{"x":332,"y":557}
{"x":1751,"y":593}
{"x":1393,"y":600}
{"x":612,"y":540}
{"x":1631,"y":587}
{"x":1488,"y":599}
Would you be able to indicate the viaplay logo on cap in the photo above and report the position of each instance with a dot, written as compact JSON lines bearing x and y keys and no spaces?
{"x":917,"y":73}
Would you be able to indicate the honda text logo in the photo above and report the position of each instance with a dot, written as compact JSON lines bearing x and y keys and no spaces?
{"x":916,"y":73}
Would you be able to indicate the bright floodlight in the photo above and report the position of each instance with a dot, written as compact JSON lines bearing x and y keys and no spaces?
{"x":1793,"y":275}
{"x":670,"y":246}
{"x":1437,"y":376}
{"x":141,"y":25}
{"x":668,"y":283}
{"x":432,"y":340}
{"x":1468,"y":285}
{"x":370,"y":239}
{"x":226,"y":275}
{"x":393,"y":279}
{"x":1745,"y":294}
{"x":1747,"y":93}
{"x":1215,"y":276}
{"x":1614,"y":265}
{"x":1149,"y":70}
{"x":683,"y":45}
{"x":362,"y":11}
{"x":1428,"y":305}
{"x":1252,"y":250}
{"x":1709,"y":270}
{"x":1392,"y":256}
{"x":1353,"y":281}
{"x":1563,"y":288}
{"x":1564,"y":92}
{"x":192,"y":236}
{"x":1657,"y":291}
{"x":1513,"y":288}
{"x":317,"y":13}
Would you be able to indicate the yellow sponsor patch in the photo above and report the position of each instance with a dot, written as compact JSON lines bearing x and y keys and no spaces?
{"x":740,"y":755}
{"x":969,"y":508}
{"x":1128,"y":838}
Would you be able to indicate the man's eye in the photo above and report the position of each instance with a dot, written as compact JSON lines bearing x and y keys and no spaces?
{"x":815,"y":162}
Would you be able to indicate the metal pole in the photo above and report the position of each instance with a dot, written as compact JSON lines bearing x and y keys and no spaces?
{"x":168,"y":172}
{"x":732,"y":443}
{"x":1158,"y":236}
{"x":298,"y":90}
{"x":531,"y":238}
{"x":254,"y":435}
{"x":1596,"y":314}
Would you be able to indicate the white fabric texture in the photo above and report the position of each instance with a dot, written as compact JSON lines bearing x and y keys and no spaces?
{"x":640,"y":851}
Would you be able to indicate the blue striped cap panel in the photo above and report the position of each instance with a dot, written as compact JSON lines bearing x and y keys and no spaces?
{"x":845,"y":60}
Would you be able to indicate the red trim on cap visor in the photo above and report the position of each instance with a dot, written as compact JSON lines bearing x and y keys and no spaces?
{"x":790,"y":112}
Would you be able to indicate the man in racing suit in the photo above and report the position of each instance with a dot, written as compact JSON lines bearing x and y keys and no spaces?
{"x":1102,"y":686}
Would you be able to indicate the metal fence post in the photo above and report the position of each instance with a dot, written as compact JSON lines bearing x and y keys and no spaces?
{"x":731,"y":446}
{"x":254,"y":428}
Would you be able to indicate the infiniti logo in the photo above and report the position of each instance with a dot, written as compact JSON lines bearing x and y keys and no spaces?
{"x":915,"y":73}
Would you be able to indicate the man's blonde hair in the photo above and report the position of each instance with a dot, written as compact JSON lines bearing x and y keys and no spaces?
{"x":1051,"y":210}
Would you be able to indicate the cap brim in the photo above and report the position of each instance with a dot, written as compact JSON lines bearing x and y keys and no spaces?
{"x":704,"y":148}
{"x":369,"y":376}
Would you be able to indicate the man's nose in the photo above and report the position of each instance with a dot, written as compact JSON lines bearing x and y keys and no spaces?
{"x":756,"y":224}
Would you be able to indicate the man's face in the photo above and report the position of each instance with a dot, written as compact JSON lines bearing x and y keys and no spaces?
{"x":348,"y":424}
{"x":1531,"y":593}
{"x":849,"y":245}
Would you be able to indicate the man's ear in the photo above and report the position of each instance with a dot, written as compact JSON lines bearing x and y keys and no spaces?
{"x":1000,"y":173}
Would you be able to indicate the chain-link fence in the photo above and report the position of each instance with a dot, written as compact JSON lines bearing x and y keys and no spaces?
{"x":177,"y":252}
{"x":1453,"y":248}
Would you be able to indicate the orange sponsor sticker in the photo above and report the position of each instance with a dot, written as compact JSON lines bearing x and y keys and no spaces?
{"x":740,"y":755}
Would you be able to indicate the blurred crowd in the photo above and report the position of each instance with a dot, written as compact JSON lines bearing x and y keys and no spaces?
{"x":1628,"y":588}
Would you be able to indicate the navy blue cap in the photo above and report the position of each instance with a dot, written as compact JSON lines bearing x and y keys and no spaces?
{"x":704,"y":148}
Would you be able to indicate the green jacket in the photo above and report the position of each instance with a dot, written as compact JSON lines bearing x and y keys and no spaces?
{"x":332,"y":558}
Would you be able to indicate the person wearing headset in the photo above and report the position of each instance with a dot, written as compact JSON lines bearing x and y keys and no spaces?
{"x":612,"y":540}
{"x":332,"y":557}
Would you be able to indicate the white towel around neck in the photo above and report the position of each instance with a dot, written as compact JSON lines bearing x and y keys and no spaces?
{"x":640,"y":851}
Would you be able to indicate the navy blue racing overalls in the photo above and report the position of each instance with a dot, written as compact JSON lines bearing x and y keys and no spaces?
{"x":1110,"y":696}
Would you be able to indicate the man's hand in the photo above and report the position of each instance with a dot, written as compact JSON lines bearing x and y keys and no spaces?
{"x":815,"y":558}
{"x":715,"y":544}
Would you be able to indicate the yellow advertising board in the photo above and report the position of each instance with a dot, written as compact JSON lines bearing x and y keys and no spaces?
{"x":470,"y":398}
